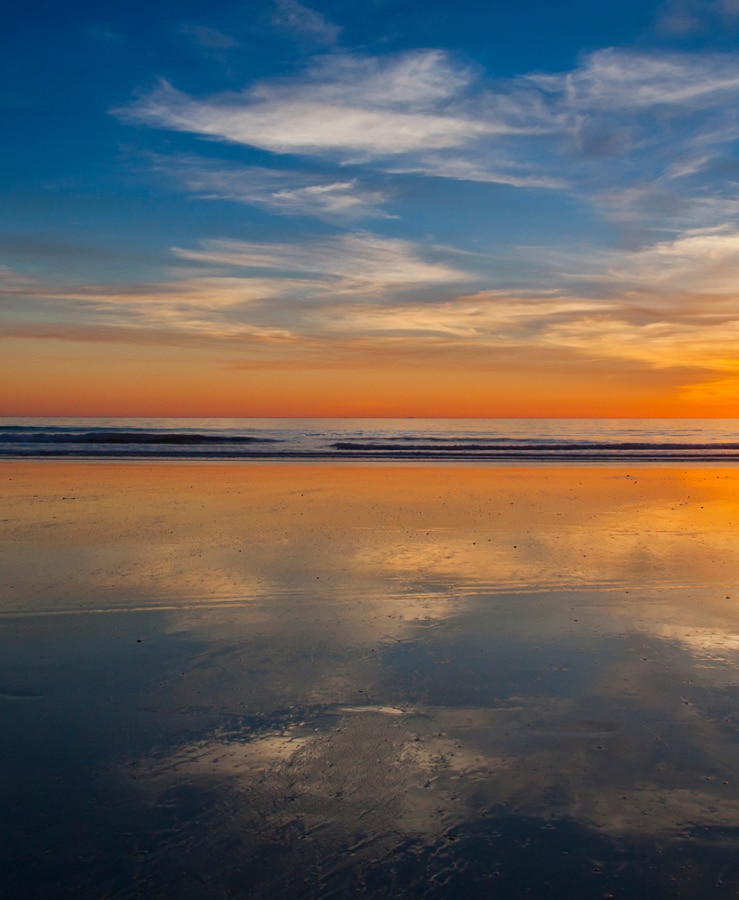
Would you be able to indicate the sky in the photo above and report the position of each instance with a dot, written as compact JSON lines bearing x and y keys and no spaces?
{"x":375,"y":208}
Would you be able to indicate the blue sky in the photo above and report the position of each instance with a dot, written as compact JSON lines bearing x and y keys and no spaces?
{"x":431,"y":184}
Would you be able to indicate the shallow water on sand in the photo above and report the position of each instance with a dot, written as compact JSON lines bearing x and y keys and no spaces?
{"x":265,"y":680}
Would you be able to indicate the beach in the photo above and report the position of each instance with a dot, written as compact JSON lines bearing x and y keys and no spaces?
{"x":306,"y":680}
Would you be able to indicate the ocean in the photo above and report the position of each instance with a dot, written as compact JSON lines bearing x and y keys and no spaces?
{"x":382,"y":440}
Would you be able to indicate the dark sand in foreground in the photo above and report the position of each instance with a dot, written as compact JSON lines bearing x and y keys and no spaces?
{"x":313,"y":681}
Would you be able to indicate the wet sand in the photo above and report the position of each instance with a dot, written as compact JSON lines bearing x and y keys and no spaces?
{"x":312,"y":681}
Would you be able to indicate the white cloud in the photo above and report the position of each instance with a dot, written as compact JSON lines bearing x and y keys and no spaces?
{"x":303,"y":124}
{"x":460,"y":169}
{"x":336,"y":199}
{"x":344,"y":107}
{"x":701,"y":262}
{"x":413,"y":82}
{"x":347,"y":264}
{"x":208,"y":306}
{"x":619,"y":116}
{"x":282,"y":192}
{"x":658,"y":343}
{"x":238,"y":287}
{"x":490,"y":317}
{"x":616,"y":81}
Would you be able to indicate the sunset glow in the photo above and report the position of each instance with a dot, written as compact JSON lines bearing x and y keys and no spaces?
{"x":293,"y":210}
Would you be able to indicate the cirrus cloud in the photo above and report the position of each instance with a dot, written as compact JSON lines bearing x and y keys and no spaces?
{"x":664,"y":125}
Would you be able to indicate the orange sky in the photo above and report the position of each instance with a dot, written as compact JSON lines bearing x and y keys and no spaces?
{"x":54,"y":377}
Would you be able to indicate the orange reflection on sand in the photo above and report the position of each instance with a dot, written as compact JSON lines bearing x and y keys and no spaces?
{"x":545,"y":527}
{"x":114,"y":535}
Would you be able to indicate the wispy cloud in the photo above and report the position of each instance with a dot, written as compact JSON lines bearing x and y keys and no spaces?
{"x":614,"y":81}
{"x":338,"y":199}
{"x":281,"y":192}
{"x":694,"y":271}
{"x":12,"y":282}
{"x":658,"y":122}
{"x":659,"y":344}
{"x":640,"y":135}
{"x":669,"y":305}
{"x":347,"y":264}
{"x":237,"y":287}
{"x":304,"y":22}
{"x":686,"y":18}
{"x":308,"y":119}
{"x":343,"y":107}
{"x":487,"y":171}
{"x":489,"y":317}
{"x":208,"y":38}
{"x":209,"y":306}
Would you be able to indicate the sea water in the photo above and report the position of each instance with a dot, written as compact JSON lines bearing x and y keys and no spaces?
{"x":457,"y":440}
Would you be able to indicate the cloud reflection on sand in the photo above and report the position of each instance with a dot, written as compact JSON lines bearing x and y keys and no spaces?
{"x":259,"y":531}
{"x":365,"y":666}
